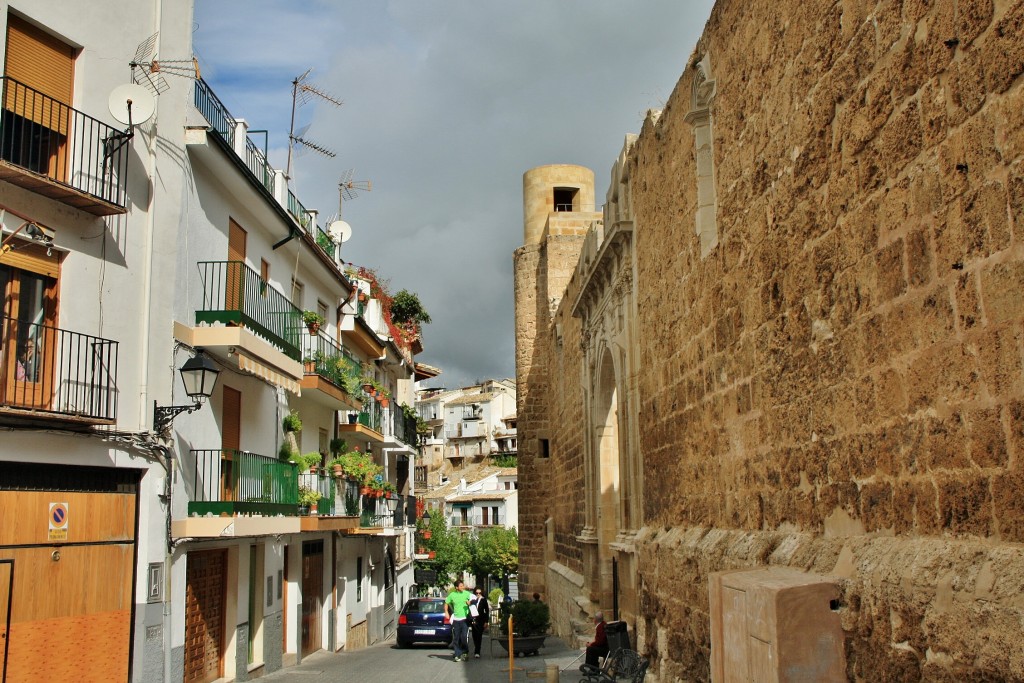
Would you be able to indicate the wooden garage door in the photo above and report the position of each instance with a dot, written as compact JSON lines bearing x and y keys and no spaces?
{"x":204,"y":615}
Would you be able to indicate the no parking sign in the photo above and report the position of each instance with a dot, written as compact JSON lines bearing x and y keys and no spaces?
{"x":58,"y":522}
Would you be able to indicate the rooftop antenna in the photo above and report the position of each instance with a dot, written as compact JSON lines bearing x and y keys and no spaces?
{"x":149,"y":72}
{"x":302,"y":92}
{"x":339,"y":230}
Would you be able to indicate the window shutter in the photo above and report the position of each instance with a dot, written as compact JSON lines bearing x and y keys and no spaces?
{"x":43,"y":63}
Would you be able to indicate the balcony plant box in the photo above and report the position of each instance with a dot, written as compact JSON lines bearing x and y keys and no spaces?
{"x":313,"y":321}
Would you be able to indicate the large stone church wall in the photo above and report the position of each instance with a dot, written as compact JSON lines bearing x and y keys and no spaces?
{"x":837,"y":386}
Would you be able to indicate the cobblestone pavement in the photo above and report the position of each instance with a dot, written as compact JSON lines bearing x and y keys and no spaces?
{"x":429,"y":663}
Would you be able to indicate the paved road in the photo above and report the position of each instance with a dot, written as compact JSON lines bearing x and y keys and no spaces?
{"x":429,"y":664}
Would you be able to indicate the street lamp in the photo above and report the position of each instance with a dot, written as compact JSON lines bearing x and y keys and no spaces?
{"x":426,"y":517}
{"x":199,"y":375}
{"x":392,"y":503}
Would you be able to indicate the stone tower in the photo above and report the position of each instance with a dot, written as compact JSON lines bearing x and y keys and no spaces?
{"x":558,"y":209}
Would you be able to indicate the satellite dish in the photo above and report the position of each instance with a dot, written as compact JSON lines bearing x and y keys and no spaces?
{"x":340,"y":231}
{"x":131,"y":104}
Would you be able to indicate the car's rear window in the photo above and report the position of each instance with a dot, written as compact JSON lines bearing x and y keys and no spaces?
{"x":424,"y":606}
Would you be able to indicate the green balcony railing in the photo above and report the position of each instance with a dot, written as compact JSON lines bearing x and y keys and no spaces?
{"x":230,"y":482}
{"x":235,"y":294}
{"x":332,"y":362}
{"x":372,"y":415}
{"x":299,"y":212}
{"x":324,"y":485}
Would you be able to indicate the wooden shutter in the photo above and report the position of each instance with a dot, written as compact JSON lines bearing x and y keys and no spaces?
{"x":231,"y":430}
{"x":43,"y":63}
{"x":236,"y":241}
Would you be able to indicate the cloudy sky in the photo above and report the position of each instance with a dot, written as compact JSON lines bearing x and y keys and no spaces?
{"x":446,"y":105}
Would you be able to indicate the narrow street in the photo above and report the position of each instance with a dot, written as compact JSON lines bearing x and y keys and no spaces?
{"x":430,"y":663}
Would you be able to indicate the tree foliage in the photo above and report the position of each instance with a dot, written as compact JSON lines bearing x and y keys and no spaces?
{"x":406,"y":308}
{"x":451,"y":552}
{"x":495,"y":551}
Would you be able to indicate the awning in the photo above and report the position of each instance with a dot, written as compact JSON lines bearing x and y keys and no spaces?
{"x":275,"y":377}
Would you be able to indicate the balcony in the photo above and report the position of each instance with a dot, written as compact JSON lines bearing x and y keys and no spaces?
{"x":223,"y":125}
{"x":61,"y":153}
{"x":48,"y":375}
{"x":400,"y":428}
{"x":229,"y":483}
{"x":235,"y":294}
{"x":369,"y":422}
{"x":331,"y":374}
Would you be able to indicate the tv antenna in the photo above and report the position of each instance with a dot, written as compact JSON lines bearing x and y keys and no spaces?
{"x":303,"y":92}
{"x":149,"y":72}
{"x":339,"y":230}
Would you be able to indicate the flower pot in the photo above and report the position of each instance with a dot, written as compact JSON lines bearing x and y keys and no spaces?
{"x":313,"y":328}
{"x":366,"y":490}
{"x":338,"y":471}
{"x":428,"y":533}
{"x":313,"y":509}
{"x":431,"y":555}
{"x":523,"y":645}
{"x":368,"y":388}
{"x":309,"y":367}
{"x":353,"y":418}
{"x":385,"y":402}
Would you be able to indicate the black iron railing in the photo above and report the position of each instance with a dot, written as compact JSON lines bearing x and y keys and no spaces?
{"x":258,"y":165}
{"x":372,"y":415}
{"x":239,"y":482}
{"x":234,"y":293}
{"x":403,"y":426}
{"x":214,"y":111}
{"x":321,"y":355}
{"x":51,"y":370}
{"x":48,"y":137}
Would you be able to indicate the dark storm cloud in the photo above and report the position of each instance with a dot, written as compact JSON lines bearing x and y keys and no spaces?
{"x":446,"y":105}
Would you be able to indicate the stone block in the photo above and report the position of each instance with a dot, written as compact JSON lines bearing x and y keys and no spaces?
{"x":774,"y":624}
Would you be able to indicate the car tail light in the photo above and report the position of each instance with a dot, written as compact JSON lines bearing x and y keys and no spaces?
{"x":402,"y":619}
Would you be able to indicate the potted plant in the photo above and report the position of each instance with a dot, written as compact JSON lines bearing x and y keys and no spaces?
{"x":384,"y":397}
{"x":369,"y":385}
{"x":351,"y":504}
{"x":530,"y":621}
{"x":337,"y":467}
{"x":309,"y":498}
{"x":313,"y":321}
{"x":287,"y":453}
{"x":308,"y":462}
{"x":291,"y":422}
{"x":337,"y":446}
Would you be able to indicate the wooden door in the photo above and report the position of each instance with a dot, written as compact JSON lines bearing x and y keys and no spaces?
{"x":205,"y":615}
{"x":230,"y":440}
{"x":312,"y":595}
{"x":6,"y":575}
{"x":235,"y":285}
{"x":29,"y":335}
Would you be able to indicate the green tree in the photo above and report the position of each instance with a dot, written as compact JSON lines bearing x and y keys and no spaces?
{"x":451,"y":551}
{"x":406,"y":308}
{"x":495,"y":551}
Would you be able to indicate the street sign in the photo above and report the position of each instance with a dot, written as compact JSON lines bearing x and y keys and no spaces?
{"x":425,"y":577}
{"x":58,"y":522}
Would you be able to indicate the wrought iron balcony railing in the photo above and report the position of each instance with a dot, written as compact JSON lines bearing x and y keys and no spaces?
{"x":229,"y":482}
{"x":51,"y":139}
{"x":372,"y":415}
{"x":401,"y":426}
{"x":50,"y":370}
{"x":234,"y":293}
{"x":223,"y":124}
{"x":322,"y":356}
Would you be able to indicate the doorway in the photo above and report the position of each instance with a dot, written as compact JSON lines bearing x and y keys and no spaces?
{"x":6,"y":586}
{"x":312,"y":595}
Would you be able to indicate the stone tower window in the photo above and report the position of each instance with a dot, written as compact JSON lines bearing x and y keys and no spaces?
{"x":567,"y":199}
{"x":702,"y":94}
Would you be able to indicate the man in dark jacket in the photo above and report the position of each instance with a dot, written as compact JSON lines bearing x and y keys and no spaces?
{"x":482,"y":618}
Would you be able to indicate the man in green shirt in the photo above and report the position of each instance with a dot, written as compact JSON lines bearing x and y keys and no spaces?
{"x":456,"y":608}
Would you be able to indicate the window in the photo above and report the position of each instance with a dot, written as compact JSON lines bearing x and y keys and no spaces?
{"x":321,"y":308}
{"x":545,"y":449}
{"x":28,"y":345}
{"x":298,"y":290}
{"x":359,"y":579}
{"x":264,"y":276}
{"x":566,"y":199}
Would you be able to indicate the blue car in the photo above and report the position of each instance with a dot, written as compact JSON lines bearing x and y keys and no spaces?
{"x":422,"y":620}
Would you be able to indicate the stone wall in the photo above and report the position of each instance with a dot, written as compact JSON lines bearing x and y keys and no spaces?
{"x":837,"y":385}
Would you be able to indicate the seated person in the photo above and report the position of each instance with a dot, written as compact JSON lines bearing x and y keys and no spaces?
{"x":599,"y":647}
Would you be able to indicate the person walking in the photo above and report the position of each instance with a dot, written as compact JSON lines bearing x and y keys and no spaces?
{"x":480,"y":613}
{"x":456,"y":609}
